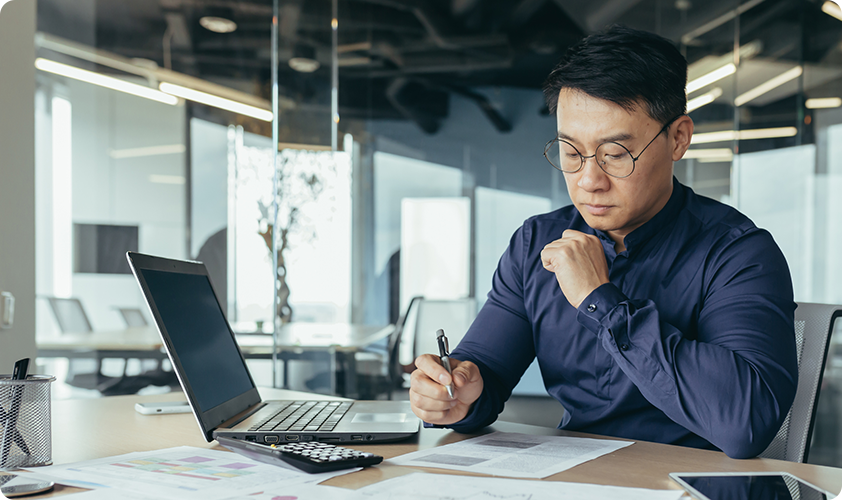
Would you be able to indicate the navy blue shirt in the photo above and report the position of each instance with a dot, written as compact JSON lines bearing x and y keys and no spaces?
{"x":691,"y":343}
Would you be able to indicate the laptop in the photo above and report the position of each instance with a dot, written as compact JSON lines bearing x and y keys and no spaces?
{"x":214,"y":376}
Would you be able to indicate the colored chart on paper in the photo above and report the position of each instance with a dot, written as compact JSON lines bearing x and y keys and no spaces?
{"x":193,"y":467}
{"x":184,"y":473}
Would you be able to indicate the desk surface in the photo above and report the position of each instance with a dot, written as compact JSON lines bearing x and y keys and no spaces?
{"x":305,"y":336}
{"x":128,"y":339}
{"x":86,"y":429}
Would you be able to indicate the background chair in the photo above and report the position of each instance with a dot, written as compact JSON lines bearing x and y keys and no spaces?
{"x":382,"y":373}
{"x":71,"y":318}
{"x":133,"y":317}
{"x":70,"y":315}
{"x":453,"y":316}
{"x":813,"y":326}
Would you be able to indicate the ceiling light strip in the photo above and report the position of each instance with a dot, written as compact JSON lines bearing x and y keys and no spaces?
{"x":704,"y":99}
{"x":772,"y":84}
{"x":743,"y":135}
{"x":712,"y":77}
{"x":823,"y":102}
{"x":712,"y":154}
{"x":108,"y":82}
{"x":169,"y":149}
{"x":832,"y":9}
{"x":216,"y":101}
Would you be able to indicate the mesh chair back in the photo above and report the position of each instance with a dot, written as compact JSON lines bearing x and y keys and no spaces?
{"x":452,"y":316}
{"x":813,"y":325}
{"x":409,"y":316}
{"x":133,"y":317}
{"x":70,"y":315}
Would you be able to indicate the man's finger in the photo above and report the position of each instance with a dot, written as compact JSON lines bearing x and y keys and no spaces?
{"x":430,"y":404}
{"x":431,"y":366}
{"x":465,"y":373}
{"x":424,"y":385}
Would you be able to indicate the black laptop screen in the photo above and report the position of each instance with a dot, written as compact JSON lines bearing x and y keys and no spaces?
{"x":200,"y":336}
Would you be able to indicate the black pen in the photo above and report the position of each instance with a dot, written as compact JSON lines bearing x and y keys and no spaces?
{"x":11,"y":431}
{"x":445,"y":359}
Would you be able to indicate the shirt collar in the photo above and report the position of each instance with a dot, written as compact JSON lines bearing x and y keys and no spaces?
{"x":654,"y":225}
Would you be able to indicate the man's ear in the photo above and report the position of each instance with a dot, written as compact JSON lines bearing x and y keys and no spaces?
{"x":682,"y":132}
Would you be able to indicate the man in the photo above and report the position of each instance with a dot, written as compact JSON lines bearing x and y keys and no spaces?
{"x":655,"y":314}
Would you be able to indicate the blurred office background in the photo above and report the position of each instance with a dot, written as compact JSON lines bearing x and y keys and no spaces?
{"x":410,"y":140}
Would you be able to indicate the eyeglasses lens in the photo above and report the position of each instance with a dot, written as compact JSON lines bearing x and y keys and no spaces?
{"x":613,"y":158}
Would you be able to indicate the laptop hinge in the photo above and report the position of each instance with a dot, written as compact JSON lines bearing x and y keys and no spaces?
{"x":236,"y":419}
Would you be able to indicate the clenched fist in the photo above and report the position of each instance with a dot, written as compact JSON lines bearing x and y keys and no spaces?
{"x":578,"y":261}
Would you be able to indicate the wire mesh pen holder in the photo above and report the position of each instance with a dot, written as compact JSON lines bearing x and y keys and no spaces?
{"x":25,"y":436}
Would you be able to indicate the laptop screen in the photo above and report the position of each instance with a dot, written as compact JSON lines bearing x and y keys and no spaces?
{"x":200,"y":336}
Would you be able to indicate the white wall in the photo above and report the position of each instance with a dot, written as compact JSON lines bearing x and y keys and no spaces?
{"x":17,"y":176}
{"x":110,"y":189}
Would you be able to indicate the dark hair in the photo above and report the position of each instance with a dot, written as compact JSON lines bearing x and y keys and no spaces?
{"x":627,"y":67}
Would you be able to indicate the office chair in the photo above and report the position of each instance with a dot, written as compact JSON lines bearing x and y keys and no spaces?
{"x":383,"y":374}
{"x":813,"y":326}
{"x":70,"y":315}
{"x":156,"y":375}
{"x":133,"y":317}
{"x":71,"y":318}
{"x":452,"y":316}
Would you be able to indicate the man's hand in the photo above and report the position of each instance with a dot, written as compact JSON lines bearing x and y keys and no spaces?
{"x":428,"y":397}
{"x":578,"y":261}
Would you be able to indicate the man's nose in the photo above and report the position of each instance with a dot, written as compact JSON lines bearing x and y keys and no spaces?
{"x":593,"y":178}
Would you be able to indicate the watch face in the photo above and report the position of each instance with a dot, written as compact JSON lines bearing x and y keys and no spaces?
{"x":12,"y":485}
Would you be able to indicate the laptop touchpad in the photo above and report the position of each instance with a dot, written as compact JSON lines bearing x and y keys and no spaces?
{"x":380,"y":418}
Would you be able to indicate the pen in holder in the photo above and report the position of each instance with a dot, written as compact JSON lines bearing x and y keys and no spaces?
{"x":25,"y":428}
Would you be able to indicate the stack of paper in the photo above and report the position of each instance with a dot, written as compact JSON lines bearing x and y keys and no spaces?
{"x":180,"y":473}
{"x":513,"y":455}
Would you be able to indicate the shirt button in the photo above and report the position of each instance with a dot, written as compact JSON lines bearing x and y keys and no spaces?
{"x":624,"y":347}
{"x":592,"y":308}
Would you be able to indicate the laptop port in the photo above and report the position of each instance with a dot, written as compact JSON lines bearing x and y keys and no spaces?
{"x":369,"y":437}
{"x":251,"y":438}
{"x":271,"y":439}
{"x":291,"y":437}
{"x":306,"y":438}
{"x":357,"y":437}
{"x":321,"y":439}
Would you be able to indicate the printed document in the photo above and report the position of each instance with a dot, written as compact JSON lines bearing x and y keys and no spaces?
{"x":291,"y":492}
{"x":183,"y":472}
{"x":512,"y":455}
{"x":420,"y":486}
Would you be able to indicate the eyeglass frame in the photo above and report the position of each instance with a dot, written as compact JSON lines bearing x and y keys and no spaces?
{"x":584,"y":158}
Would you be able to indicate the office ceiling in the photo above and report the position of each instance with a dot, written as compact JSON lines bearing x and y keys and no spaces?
{"x":405,"y":58}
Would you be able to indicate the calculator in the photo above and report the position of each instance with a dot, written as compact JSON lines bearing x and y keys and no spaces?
{"x":310,"y":456}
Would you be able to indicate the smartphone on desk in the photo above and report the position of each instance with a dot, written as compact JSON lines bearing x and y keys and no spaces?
{"x":162,"y":408}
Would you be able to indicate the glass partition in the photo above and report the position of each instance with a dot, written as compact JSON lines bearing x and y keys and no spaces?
{"x":200,"y":128}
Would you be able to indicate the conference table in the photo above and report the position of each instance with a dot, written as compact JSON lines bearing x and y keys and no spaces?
{"x":87,"y":429}
{"x":336,"y":342}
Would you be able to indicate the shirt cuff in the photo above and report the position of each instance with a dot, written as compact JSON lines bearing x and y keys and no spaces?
{"x":598,"y":304}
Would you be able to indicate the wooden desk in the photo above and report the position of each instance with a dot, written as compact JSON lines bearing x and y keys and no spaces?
{"x":141,"y":342}
{"x":86,"y":429}
{"x":335,"y":341}
{"x":311,"y":341}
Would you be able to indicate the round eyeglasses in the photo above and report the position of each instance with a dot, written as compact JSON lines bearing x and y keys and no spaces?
{"x":612,"y":157}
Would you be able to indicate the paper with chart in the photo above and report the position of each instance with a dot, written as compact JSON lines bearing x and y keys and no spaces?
{"x":512,"y":455}
{"x":292,"y":492}
{"x":449,"y":487}
{"x":180,"y":473}
{"x":304,"y":492}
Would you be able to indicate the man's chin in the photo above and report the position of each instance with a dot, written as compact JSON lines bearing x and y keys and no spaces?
{"x":599,"y":222}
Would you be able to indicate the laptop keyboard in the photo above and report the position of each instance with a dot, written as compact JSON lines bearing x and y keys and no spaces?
{"x":307,"y":416}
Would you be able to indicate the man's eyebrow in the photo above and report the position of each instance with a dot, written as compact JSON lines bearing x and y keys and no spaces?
{"x":610,"y":138}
